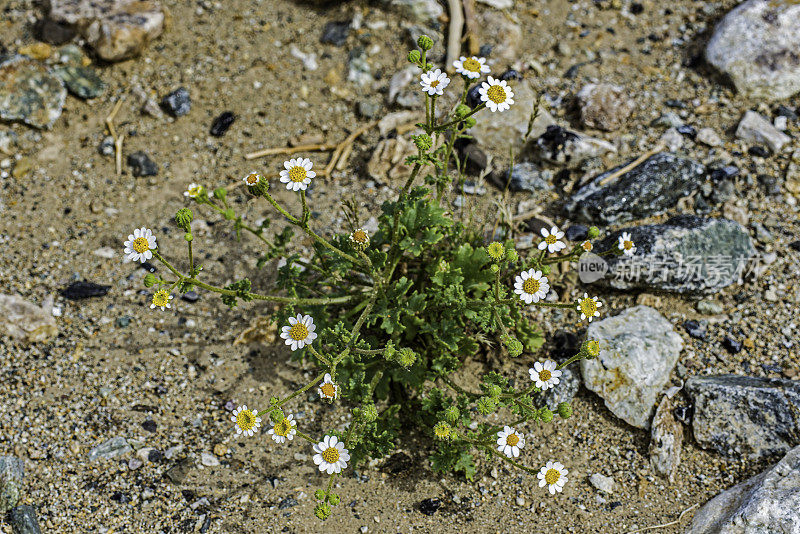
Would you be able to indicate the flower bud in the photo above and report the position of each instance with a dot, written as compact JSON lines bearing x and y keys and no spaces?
{"x":594,"y":232}
{"x":319,"y":494}
{"x":494,"y":268}
{"x":184,"y":218}
{"x":424,"y":42}
{"x":462,"y":110}
{"x":188,"y":237}
{"x":220,"y":193}
{"x":150,"y":280}
{"x":276,"y":415}
{"x":368,"y":413}
{"x":511,"y":255}
{"x":494,"y":391}
{"x":452,"y":414}
{"x":564,"y":410}
{"x":469,"y":122}
{"x":486,"y":405}
{"x":414,"y":56}
{"x":333,"y":499}
{"x":389,"y":353}
{"x":423,"y":141}
{"x":514,"y":347}
{"x":546,"y":415}
{"x":590,"y":349}
{"x":406,"y":357}
{"x":322,"y":511}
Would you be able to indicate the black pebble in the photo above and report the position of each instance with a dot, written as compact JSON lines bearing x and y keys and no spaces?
{"x":429,"y":506}
{"x":729,"y":171}
{"x":149,"y":425}
{"x":731,"y":345}
{"x":149,"y":267}
{"x":52,"y":32}
{"x":677,"y":104}
{"x":795,"y":245}
{"x":155,"y":456}
{"x":190,"y":296}
{"x":120,"y":497}
{"x":636,"y":8}
{"x":683,"y":414}
{"x":485,"y":50}
{"x":177,"y":103}
{"x":222,"y":123}
{"x":335,"y":32}
{"x":476,"y":158}
{"x":769,"y":183}
{"x":474,"y":96}
{"x":577,"y":232}
{"x":695,"y":329}
{"x":287,"y":502}
{"x":787,"y":112}
{"x":84,"y":290}
{"x":23,"y":520}
{"x":687,"y":130}
{"x":142,"y":165}
{"x":511,"y":74}
{"x":759,"y":151}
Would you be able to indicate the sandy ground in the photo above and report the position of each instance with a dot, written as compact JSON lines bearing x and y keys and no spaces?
{"x":99,"y":379}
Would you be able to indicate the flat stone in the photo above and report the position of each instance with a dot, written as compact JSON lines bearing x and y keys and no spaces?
{"x":745,"y":416}
{"x":83,"y":82}
{"x":116,"y":29}
{"x":12,"y":471}
{"x":686,"y":254}
{"x":525,"y":176}
{"x":764,"y":504}
{"x":757,"y":45}
{"x":604,"y":106}
{"x":566,"y":148}
{"x":638,"y":350}
{"x":24,"y":320}
{"x":142,"y":165}
{"x":23,"y":520}
{"x":602,"y":483}
{"x":649,"y":189}
{"x":709,"y":137}
{"x":110,"y":449}
{"x":758,"y":130}
{"x":30,"y":92}
{"x":666,"y":441}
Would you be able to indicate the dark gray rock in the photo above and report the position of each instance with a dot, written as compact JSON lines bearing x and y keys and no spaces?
{"x":524,"y":177}
{"x":648,"y":189}
{"x":12,"y":472}
{"x":562,"y":147}
{"x":142,"y":165}
{"x":177,"y":103}
{"x":30,"y":92}
{"x":768,"y":503}
{"x":335,"y":32}
{"x":686,"y":254}
{"x":666,"y":440}
{"x":23,"y":520}
{"x":83,"y":82}
{"x":745,"y":416}
{"x":221,"y":123}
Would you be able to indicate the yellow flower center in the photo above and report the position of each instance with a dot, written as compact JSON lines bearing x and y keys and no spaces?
{"x":496,"y":94}
{"x":512,"y":439}
{"x":545,"y":375}
{"x":283,"y":428}
{"x":252,"y":179}
{"x":587,"y":246}
{"x":552,"y":476}
{"x":331,"y":455}
{"x":141,"y":245}
{"x":194,"y":191}
{"x":472,"y":65}
{"x":531,"y":286}
{"x":328,"y":389}
{"x":360,"y":236}
{"x":161,"y":298}
{"x":593,"y":347}
{"x":627,"y":245}
{"x":434,"y":83}
{"x":550,"y":240}
{"x":298,"y":332}
{"x":297,"y":174}
{"x":588,"y":307}
{"x":246,"y":420}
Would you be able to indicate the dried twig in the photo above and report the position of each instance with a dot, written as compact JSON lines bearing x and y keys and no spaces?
{"x":290,"y":150}
{"x":118,"y":152}
{"x":344,"y":144}
{"x":111,"y":130}
{"x":619,"y":172}
{"x":470,"y":37}
{"x":454,"y":30}
{"x":692,"y":507}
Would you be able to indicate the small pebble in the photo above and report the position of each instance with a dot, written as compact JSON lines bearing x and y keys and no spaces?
{"x":177,"y":103}
{"x":84,"y":290}
{"x":222,"y":123}
{"x":142,"y":165}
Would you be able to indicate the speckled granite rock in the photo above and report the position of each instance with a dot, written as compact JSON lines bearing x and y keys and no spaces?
{"x":757,"y":44}
{"x":666,"y":440}
{"x":604,"y":106}
{"x":638,"y":349}
{"x":686,"y":254}
{"x":650,"y":188}
{"x":83,"y":82}
{"x":29,"y":92}
{"x":11,"y":474}
{"x":745,"y":416}
{"x":116,"y":29}
{"x":764,"y":504}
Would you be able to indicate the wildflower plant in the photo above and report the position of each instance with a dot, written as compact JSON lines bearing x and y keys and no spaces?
{"x":388,"y":319}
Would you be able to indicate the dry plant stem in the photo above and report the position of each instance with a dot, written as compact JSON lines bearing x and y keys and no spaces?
{"x":111,"y":130}
{"x":349,"y":140}
{"x":118,"y":152}
{"x":471,"y":39}
{"x":692,"y":507}
{"x":635,"y":163}
{"x":454,"y":30}
{"x":317,"y":147}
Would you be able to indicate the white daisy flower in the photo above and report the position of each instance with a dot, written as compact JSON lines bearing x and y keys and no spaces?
{"x":283,"y":430}
{"x":626,"y":245}
{"x":247,"y":422}
{"x":194,"y":190}
{"x":587,"y":246}
{"x":328,"y":389}
{"x":297,"y":174}
{"x":471,"y":67}
{"x":552,"y":240}
{"x":509,"y":441}
{"x":545,"y":375}
{"x":161,"y":300}
{"x":531,"y":286}
{"x":140,"y":245}
{"x":331,"y":455}
{"x":433,"y":82}
{"x":554,"y":476}
{"x":252,"y":179}
{"x":588,"y":306}
{"x":497,"y":95}
{"x":359,"y":238}
{"x":299,"y":332}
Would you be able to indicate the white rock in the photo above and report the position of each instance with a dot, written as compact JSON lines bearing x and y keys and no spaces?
{"x":709,"y":137}
{"x":421,"y":10}
{"x":603,"y":483}
{"x":757,"y":44}
{"x":754,"y":128}
{"x":672,"y":139}
{"x":24,"y":320}
{"x":208,"y":459}
{"x":766,"y":503}
{"x":638,"y":349}
{"x":498,"y":4}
